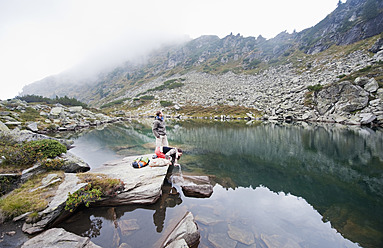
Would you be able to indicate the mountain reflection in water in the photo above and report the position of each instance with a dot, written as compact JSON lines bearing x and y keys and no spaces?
{"x":299,"y":185}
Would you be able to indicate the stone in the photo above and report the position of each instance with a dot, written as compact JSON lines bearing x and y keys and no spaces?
{"x":128,"y":226}
{"x":73,"y":164}
{"x":33,"y":127}
{"x":141,"y":186}
{"x":75,"y":109}
{"x":367,"y":118}
{"x":4,"y":128}
{"x":56,"y":111}
{"x":241,"y":235}
{"x":56,"y":205}
{"x":371,"y":86}
{"x":186,"y":230}
{"x":198,"y":191}
{"x":59,"y":238}
{"x":361,"y":81}
{"x":221,"y":240}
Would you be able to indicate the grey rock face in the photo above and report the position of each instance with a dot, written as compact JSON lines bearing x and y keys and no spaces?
{"x":56,"y":205}
{"x":142,"y":186}
{"x":341,"y":98}
{"x":186,"y":230}
{"x":59,"y":238}
{"x":73,"y":164}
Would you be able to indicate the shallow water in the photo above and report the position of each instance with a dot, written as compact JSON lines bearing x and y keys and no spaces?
{"x":276,"y":184}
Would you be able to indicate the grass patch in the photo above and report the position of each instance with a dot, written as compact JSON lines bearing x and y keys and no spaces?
{"x":234,"y":111}
{"x":23,"y":199}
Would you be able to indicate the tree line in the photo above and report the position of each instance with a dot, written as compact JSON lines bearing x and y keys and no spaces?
{"x":62,"y":100}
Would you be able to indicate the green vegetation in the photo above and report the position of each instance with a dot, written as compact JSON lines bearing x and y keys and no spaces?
{"x":17,"y":157}
{"x":113,"y":103}
{"x":315,"y":88}
{"x":170,"y":84}
{"x":98,"y":186}
{"x":371,"y":71}
{"x":234,"y":111}
{"x":166,"y":103}
{"x":62,"y":100}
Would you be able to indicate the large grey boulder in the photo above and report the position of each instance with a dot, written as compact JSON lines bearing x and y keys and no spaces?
{"x":56,"y":206}
{"x":141,"y":186}
{"x":186,"y":231}
{"x":340,"y":98}
{"x":4,"y":128}
{"x":73,"y":164}
{"x":194,"y":186}
{"x":372,"y":85}
{"x":59,"y":238}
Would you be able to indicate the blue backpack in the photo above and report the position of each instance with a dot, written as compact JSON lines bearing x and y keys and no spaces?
{"x":140,"y":162}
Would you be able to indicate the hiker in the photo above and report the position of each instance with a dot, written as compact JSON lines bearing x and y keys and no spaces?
{"x":159,"y":130}
{"x":170,"y":153}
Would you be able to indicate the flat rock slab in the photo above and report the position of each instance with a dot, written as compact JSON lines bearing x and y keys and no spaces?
{"x":59,"y":238}
{"x":142,"y":185}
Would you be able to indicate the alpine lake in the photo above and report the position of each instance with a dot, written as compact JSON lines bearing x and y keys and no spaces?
{"x":276,"y":184}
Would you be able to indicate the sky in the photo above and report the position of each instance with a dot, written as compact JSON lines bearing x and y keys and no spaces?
{"x":40,"y":38}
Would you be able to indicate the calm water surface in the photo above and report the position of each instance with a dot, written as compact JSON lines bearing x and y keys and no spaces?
{"x":276,"y":185}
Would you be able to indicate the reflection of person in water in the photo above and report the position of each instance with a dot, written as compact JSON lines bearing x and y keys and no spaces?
{"x":170,"y":198}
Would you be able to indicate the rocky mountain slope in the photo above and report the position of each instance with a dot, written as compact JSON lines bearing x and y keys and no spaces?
{"x":271,"y":76}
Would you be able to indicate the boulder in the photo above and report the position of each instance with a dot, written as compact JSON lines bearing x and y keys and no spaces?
{"x":141,"y":186}
{"x":340,"y":98}
{"x":33,"y":127}
{"x":186,"y":230}
{"x":4,"y":128}
{"x":56,"y":111}
{"x":367,"y":118}
{"x":194,"y":186}
{"x":75,"y":109}
{"x":371,"y":86}
{"x":56,"y":205}
{"x":59,"y":238}
{"x":73,"y":164}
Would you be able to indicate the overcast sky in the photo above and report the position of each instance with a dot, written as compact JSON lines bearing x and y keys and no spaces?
{"x":39,"y":38}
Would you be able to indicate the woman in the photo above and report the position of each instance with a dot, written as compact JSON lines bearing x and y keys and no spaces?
{"x":159,"y":130}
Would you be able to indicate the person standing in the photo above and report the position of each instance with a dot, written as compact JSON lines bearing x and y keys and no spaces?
{"x":159,"y":130}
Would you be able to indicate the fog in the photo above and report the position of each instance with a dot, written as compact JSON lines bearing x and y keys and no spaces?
{"x":41,"y":38}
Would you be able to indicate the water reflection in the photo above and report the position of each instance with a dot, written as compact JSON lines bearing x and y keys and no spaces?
{"x":286,"y":184}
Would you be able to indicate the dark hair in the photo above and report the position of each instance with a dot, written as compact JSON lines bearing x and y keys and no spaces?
{"x":179,"y":150}
{"x":158,"y":113}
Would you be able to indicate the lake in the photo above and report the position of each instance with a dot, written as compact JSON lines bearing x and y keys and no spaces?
{"x":276,"y":184}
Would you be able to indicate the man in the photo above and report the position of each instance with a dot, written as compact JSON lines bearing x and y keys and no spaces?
{"x":159,"y":130}
{"x":171,"y":153}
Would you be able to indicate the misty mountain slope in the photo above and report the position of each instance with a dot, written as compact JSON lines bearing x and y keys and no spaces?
{"x":213,"y":57}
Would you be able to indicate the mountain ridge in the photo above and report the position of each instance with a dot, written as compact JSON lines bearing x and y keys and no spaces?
{"x":347,"y":24}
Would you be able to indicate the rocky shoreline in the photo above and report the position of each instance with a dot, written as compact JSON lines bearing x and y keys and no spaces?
{"x":140,"y":187}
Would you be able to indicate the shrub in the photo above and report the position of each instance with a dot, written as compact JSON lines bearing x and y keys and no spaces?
{"x":85,"y":195}
{"x":49,"y":148}
{"x":22,"y":155}
{"x":315,"y":88}
{"x":166,"y":103}
{"x":52,"y":164}
{"x":98,"y":186}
